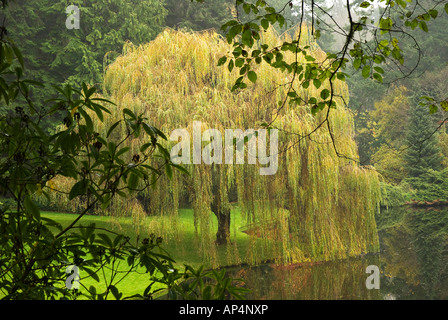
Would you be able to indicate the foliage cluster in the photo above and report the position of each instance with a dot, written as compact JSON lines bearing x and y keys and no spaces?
{"x":180,"y":83}
{"x":57,"y":55}
{"x":35,"y":251}
{"x":393,"y":195}
{"x":394,"y":131}
{"x":100,"y":161}
{"x":190,"y":15}
{"x":429,"y":188}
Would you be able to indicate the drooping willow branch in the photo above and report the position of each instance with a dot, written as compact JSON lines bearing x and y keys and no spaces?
{"x":358,"y":51}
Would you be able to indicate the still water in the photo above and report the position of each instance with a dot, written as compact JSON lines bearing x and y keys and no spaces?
{"x":412,"y":262}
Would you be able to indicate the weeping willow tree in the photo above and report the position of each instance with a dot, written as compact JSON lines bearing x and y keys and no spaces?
{"x":317,"y":206}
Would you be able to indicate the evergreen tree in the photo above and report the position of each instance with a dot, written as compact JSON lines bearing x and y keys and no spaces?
{"x":423,"y":152}
{"x":57,"y":54}
{"x":195,"y":16}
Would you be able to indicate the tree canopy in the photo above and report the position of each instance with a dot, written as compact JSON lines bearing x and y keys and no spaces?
{"x":55,"y":54}
{"x":260,"y":65}
{"x":175,"y":79}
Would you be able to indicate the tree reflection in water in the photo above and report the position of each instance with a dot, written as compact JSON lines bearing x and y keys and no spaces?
{"x":413,"y":264}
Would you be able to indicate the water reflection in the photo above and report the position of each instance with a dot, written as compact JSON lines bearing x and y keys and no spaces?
{"x":413,"y":265}
{"x":414,"y":252}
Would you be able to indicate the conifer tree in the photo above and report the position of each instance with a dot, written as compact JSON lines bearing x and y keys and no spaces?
{"x":423,"y":152}
{"x":198,"y":16}
{"x":56,"y":54}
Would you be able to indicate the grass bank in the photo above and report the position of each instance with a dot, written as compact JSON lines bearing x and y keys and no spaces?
{"x":179,"y":239}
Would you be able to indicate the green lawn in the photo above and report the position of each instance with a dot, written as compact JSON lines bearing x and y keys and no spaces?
{"x":179,"y":240}
{"x":181,"y":244}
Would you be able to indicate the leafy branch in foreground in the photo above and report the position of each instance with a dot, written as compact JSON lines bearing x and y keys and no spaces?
{"x":371,"y":47}
{"x":35,"y":250}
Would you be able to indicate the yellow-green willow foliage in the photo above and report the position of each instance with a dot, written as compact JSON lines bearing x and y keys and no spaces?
{"x":316,"y":207}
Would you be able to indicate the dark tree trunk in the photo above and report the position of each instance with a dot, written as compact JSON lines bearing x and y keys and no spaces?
{"x":223,"y":234}
{"x":222,"y":214}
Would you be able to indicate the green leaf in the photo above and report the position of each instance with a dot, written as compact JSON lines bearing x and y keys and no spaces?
{"x":239,"y":62}
{"x":340,"y":76}
{"x":18,"y":55}
{"x":309,"y":58}
{"x":231,"y":65}
{"x":106,"y":201}
{"x":222,"y":60}
{"x":306,"y":84}
{"x":356,"y":64}
{"x":112,"y":128}
{"x":366,"y":71}
{"x":228,"y":24}
{"x":247,"y":38}
{"x":325,"y":94}
{"x":52,"y":223}
{"x":92,"y":274}
{"x":119,"y":238}
{"x":434,"y":13}
{"x":386,"y":24}
{"x":233,"y":31}
{"x":444,"y":105}
{"x":9,"y":55}
{"x":423,"y":26}
{"x":151,"y":130}
{"x":163,"y":151}
{"x":98,"y":111}
{"x":379,"y":70}
{"x":79,"y":188}
{"x":181,"y":169}
{"x":104,"y":100}
{"x":159,"y":133}
{"x":281,"y":20}
{"x":30,"y":207}
{"x":433,"y":109}
{"x":206,"y":294}
{"x":95,"y":193}
{"x":414,"y":24}
{"x":365,"y":4}
{"x":115,"y":292}
{"x":112,"y":148}
{"x":87,"y":119}
{"x":252,"y":76}
{"x":246,"y":8}
{"x":122,"y":151}
{"x":106,"y":239}
{"x":144,"y":147}
{"x":133,"y":181}
{"x":265,"y":24}
{"x":36,"y":83}
{"x":92,"y":290}
{"x":378,"y":77}
{"x":129,"y":113}
{"x":169,"y":171}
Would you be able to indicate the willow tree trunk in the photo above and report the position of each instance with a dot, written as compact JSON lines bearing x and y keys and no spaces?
{"x":221,"y":211}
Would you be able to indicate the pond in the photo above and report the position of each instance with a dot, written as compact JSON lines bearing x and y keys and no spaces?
{"x":412,"y":262}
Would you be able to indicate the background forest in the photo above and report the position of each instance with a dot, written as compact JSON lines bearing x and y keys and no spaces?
{"x":395,"y":132}
{"x":121,"y":52}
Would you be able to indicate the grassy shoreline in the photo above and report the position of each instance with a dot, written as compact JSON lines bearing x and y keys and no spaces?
{"x":179,"y":239}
